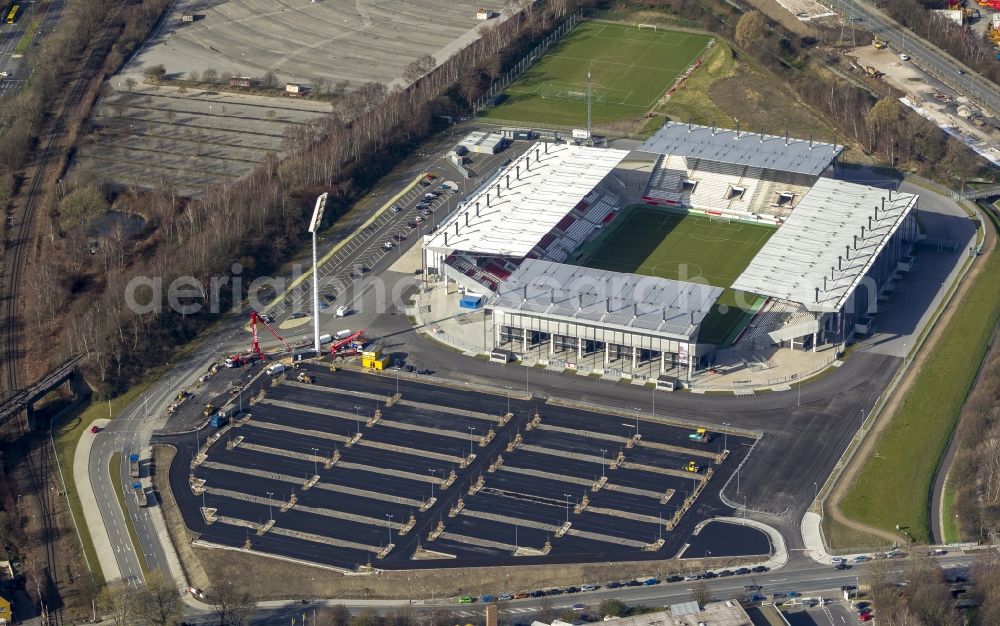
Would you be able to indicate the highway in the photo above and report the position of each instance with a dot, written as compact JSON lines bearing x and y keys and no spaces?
{"x":11,"y":34}
{"x":931,"y":59}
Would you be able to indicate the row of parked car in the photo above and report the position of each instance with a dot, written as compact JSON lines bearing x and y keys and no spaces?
{"x":673,"y":578}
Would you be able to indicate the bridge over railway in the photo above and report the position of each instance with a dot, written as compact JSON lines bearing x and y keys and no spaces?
{"x":13,"y":402}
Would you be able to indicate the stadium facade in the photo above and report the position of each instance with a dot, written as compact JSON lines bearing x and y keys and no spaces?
{"x":822,"y":273}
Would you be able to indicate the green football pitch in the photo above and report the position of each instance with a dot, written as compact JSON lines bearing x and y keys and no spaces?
{"x":630,"y":69}
{"x":663,"y":243}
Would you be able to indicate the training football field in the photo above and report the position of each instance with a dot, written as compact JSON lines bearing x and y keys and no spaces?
{"x":631,"y":68}
{"x":663,"y":243}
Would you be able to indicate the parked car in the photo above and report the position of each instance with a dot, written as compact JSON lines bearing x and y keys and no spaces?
{"x":538,"y":593}
{"x":466,"y":600}
{"x":520,"y":595}
{"x":841,"y":566}
{"x":388,"y":245}
{"x":794,"y":594}
{"x":724,"y":573}
{"x":839,"y":559}
{"x":505,"y":597}
{"x":579,"y":607}
{"x":861,"y":558}
{"x":674,"y":578}
{"x":865,"y":617}
{"x":487,"y":598}
{"x":651,"y":581}
{"x":757,"y":598}
{"x":615,"y":585}
{"x":396,"y":208}
{"x":760,"y":569}
{"x":572,"y":590}
{"x":94,"y":429}
{"x":693,"y":577}
{"x":752,"y":587}
{"x":399,"y":237}
{"x":633,"y":583}
{"x":588,"y":587}
{"x":743,"y":571}
{"x":847,"y":587}
{"x":710,"y":575}
{"x":779,"y":594}
{"x":554,"y":592}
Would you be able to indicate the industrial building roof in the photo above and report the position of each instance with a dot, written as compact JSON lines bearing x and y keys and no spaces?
{"x":827,"y":244}
{"x":526,"y":200}
{"x":742,"y":148}
{"x":614,"y":299}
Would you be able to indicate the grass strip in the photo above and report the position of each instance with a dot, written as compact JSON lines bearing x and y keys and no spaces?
{"x":894,"y":485}
{"x":25,"y":40}
{"x":115,"y":467}
{"x":66,"y":435}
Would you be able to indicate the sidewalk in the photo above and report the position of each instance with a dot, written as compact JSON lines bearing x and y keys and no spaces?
{"x":88,"y":501}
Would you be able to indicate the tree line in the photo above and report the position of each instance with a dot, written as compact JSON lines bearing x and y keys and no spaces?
{"x":258,"y":219}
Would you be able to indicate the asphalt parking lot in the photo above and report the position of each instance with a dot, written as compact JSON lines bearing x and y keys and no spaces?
{"x":378,"y":490}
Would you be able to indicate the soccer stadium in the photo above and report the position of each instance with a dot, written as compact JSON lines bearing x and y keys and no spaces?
{"x":644,"y":263}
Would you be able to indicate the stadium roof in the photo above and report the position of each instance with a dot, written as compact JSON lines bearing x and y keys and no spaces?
{"x":822,"y":234}
{"x":614,"y":299}
{"x":535,"y":191}
{"x":737,"y":147}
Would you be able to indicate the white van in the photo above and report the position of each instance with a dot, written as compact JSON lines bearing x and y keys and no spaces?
{"x":342,"y":311}
{"x":275,"y":368}
{"x":327,"y":338}
{"x":342,"y":334}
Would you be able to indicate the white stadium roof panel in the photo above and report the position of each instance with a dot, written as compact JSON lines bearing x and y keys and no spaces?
{"x":545,"y":183}
{"x":827,"y":244}
{"x":614,"y":299}
{"x":736,"y":147}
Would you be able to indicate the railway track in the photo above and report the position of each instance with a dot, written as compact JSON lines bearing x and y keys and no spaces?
{"x":40,"y":463}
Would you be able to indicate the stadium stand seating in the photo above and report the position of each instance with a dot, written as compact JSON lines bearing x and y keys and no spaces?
{"x":565,"y":223}
{"x":774,"y":315}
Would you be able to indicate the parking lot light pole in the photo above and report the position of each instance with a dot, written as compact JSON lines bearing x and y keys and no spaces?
{"x":507,"y":387}
{"x":637,"y":412}
{"x":433,"y":477}
{"x":317,"y":218}
{"x":389,"y":515}
{"x":603,"y":452}
{"x":270,"y":514}
{"x":567,"y":507}
{"x":357,"y":417}
{"x":471,"y":430}
{"x":315,"y":465}
{"x":725,"y":437}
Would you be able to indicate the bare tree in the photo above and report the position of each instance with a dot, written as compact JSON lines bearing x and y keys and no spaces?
{"x":231,"y":605}
{"x":130,"y":83}
{"x":210,"y":76}
{"x":270,"y":80}
{"x":118,"y":602}
{"x":700,"y":593}
{"x":160,"y":602}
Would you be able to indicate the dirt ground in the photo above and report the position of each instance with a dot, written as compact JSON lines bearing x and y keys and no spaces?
{"x":270,"y":578}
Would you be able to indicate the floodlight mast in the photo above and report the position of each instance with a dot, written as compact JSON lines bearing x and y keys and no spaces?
{"x":317,"y":219}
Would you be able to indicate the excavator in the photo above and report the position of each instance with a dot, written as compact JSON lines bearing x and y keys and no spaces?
{"x":255,"y":353}
{"x":879,"y":43}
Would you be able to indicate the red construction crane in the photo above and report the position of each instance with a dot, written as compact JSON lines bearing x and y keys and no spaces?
{"x":354,"y":337}
{"x":255,"y":353}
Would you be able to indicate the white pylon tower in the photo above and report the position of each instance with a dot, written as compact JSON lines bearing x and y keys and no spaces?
{"x":847,"y":24}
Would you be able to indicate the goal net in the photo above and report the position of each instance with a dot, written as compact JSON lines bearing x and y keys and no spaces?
{"x":646,"y":26}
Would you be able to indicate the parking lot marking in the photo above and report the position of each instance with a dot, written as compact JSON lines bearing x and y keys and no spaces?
{"x":635,"y":491}
{"x":566,"y":454}
{"x":322,"y":434}
{"x":483,"y":543}
{"x":295,"y":406}
{"x":632,"y":543}
{"x":426,"y":454}
{"x":277,"y":451}
{"x":639,"y":517}
{"x":385,"y":471}
{"x":449,"y":409}
{"x":666,"y":447}
{"x":443,"y":432}
{"x":513,"y":521}
{"x":549,"y":475}
{"x":578,"y":432}
{"x":653,"y":469}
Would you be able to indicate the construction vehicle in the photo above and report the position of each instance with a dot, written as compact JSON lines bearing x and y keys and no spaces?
{"x":133,"y":465}
{"x":304,"y":378}
{"x":140,"y":494}
{"x":209,"y":409}
{"x":219,"y":420}
{"x":255,"y":353}
{"x":994,"y":35}
{"x":871,"y":71}
{"x":352,"y":341}
{"x":692,"y":467}
{"x":701,"y":436}
{"x":881,"y":43}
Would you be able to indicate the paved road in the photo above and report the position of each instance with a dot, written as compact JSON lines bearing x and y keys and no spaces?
{"x":930,"y":58}
{"x":831,"y":406}
{"x":10,"y":35}
{"x":806,"y":577}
